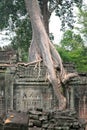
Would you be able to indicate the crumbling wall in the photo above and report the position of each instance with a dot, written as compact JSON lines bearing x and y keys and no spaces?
{"x":2,"y":90}
{"x":26,"y":86}
{"x":32,"y":89}
{"x":38,"y":119}
{"x":81,"y":95}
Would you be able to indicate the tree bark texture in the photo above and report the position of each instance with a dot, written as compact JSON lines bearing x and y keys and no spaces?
{"x":42,"y":48}
{"x":46,"y":14}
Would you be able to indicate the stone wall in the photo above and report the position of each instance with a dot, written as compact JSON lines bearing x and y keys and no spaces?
{"x":31,"y":89}
{"x":2,"y":89}
{"x":6,"y":59}
{"x":81,"y":95}
{"x":8,"y":56}
{"x":26,"y":87}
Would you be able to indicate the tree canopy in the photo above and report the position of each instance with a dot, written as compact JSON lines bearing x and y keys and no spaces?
{"x":13,"y":16}
{"x":16,"y":8}
{"x":73,"y":49}
{"x":82,"y":21}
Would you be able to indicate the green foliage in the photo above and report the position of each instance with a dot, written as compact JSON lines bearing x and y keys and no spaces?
{"x":23,"y":37}
{"x":13,"y":16}
{"x":10,"y":9}
{"x":65,"y":12}
{"x":14,"y":8}
{"x":71,"y":41}
{"x":63,"y":53}
{"x":72,"y":49}
{"x":63,"y":9}
{"x":82,"y":21}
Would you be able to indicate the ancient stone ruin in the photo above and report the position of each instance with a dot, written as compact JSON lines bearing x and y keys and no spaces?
{"x":24,"y":88}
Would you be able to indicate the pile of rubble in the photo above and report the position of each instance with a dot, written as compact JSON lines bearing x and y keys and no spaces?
{"x":54,"y":120}
{"x":14,"y":121}
{"x":38,"y":119}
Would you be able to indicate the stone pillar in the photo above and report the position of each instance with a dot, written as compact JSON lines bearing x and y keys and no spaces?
{"x":72,"y":98}
{"x":11,"y":96}
{"x":6,"y":89}
{"x":9,"y":80}
{"x":68,"y":98}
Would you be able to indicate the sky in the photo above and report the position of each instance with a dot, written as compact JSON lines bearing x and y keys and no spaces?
{"x":4,"y":38}
{"x":54,"y":27}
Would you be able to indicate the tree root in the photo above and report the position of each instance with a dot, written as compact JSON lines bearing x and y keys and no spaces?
{"x":68,"y":77}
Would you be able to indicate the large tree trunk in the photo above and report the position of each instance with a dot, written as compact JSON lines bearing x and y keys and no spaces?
{"x":46,"y":14}
{"x":42,"y":48}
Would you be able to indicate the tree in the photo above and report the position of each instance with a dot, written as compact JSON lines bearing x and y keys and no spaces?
{"x":72,"y":49}
{"x":82,"y":21}
{"x":21,"y":41}
{"x":71,"y":41}
{"x":11,"y":11}
{"x":62,"y":8}
{"x":42,"y":49}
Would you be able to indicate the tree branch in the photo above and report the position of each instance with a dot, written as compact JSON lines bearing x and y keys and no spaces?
{"x":51,"y":9}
